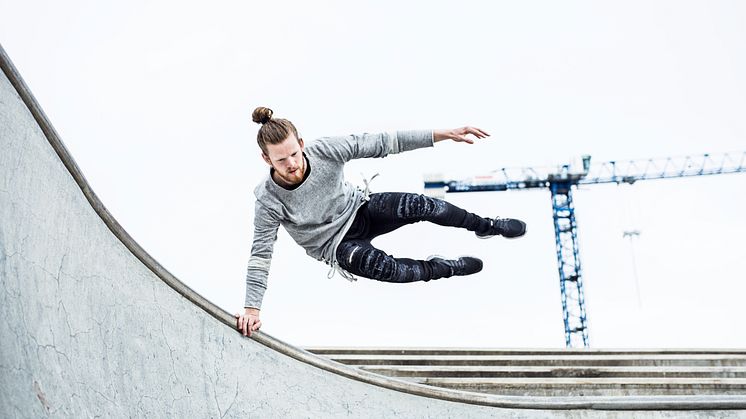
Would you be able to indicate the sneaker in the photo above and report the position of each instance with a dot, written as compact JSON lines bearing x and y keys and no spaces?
{"x":506,"y":227}
{"x":465,"y":265}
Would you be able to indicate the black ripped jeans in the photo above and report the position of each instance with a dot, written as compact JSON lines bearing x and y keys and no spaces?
{"x":387,"y":211}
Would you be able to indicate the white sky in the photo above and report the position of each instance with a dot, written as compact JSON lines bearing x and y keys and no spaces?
{"x":153,"y":99}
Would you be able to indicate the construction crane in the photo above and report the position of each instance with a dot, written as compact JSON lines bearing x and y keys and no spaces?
{"x":560,"y":181}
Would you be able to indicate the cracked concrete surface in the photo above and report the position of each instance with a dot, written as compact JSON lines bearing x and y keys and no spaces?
{"x":87,"y":330}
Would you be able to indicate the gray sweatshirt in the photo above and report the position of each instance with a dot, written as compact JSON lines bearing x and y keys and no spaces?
{"x":317,"y":213}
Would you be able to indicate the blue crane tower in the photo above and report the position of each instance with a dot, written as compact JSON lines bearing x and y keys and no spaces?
{"x":560,"y":181}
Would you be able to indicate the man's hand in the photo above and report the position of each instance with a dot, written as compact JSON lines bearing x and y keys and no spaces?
{"x":249,"y":321}
{"x":458,"y":134}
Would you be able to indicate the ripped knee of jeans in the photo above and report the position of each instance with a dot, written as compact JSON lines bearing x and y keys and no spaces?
{"x":419,"y":206}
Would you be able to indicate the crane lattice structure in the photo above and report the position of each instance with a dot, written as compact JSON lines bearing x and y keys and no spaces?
{"x":560,"y":181}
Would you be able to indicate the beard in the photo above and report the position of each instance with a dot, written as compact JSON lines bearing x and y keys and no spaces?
{"x":292,"y":177}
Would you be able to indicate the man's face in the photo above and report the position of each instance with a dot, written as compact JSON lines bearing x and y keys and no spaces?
{"x":287,"y":160}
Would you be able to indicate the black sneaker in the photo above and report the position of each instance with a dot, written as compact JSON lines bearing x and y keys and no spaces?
{"x":465,"y":265}
{"x":506,"y":227}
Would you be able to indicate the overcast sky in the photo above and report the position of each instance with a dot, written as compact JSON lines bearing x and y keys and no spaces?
{"x":153,"y":99}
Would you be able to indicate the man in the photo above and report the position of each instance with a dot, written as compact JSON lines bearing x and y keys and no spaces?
{"x":306,"y":193}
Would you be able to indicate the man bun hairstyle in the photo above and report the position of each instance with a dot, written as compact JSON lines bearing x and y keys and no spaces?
{"x":273,"y":130}
{"x":261,"y":115}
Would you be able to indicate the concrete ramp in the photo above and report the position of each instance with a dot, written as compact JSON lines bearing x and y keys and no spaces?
{"x":91,"y":325}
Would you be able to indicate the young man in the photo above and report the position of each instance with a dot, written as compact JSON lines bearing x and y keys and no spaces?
{"x":306,"y":193}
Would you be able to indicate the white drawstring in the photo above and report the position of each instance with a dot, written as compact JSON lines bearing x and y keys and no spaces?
{"x":346,"y":275}
{"x":334,"y":265}
{"x":366,"y":191}
{"x":336,"y":268}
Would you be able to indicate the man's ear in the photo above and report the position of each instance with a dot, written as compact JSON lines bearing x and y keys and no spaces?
{"x":300,"y":142}
{"x":266,"y":158}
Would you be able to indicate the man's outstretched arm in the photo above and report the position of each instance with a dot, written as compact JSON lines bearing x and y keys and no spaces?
{"x":458,"y":134}
{"x":356,"y":146}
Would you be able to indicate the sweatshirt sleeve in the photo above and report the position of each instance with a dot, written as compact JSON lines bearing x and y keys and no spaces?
{"x":257,"y":272}
{"x":357,"y":146}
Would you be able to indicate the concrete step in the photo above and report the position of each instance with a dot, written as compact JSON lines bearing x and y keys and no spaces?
{"x":548,"y":387}
{"x":461,"y":371}
{"x":552,"y":373}
{"x":657,"y":360}
{"x":339,"y":350}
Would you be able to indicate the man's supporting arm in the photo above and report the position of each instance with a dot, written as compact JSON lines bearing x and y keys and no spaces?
{"x":257,"y":271}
